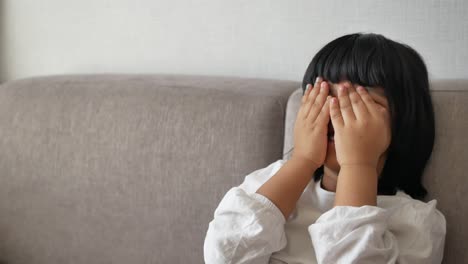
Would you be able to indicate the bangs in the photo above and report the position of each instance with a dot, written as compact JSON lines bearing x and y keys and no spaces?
{"x":357,"y":58}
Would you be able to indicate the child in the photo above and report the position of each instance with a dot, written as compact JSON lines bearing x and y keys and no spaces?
{"x":351,"y":191}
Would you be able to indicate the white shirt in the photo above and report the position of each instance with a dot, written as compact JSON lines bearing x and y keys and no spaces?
{"x":248,"y":228}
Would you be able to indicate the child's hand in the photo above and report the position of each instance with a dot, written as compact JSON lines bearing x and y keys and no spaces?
{"x":362,"y":127}
{"x":310,"y":129}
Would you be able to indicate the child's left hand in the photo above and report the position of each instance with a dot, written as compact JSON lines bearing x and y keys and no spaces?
{"x":362,"y":127}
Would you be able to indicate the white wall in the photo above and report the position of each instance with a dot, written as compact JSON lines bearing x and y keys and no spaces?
{"x":262,"y":38}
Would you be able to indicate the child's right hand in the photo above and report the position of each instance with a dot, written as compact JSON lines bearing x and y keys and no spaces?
{"x":311,"y":127}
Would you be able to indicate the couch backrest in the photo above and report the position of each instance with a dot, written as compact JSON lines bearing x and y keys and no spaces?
{"x":127,"y":168}
{"x":446,"y":176}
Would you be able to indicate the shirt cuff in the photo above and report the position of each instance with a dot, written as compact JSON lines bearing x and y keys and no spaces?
{"x":269,"y":205}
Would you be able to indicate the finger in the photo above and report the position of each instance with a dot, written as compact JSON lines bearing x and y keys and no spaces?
{"x":319,"y":101}
{"x":386,"y":117}
{"x":308,"y":89}
{"x":311,"y":98}
{"x":335,"y":113}
{"x":324,"y":115}
{"x":317,"y":82}
{"x":345,"y":104}
{"x":306,"y":93}
{"x":359,"y":107}
{"x":384,"y":112}
{"x":367,"y":99}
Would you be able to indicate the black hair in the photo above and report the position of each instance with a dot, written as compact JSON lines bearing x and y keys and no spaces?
{"x":374,"y":60}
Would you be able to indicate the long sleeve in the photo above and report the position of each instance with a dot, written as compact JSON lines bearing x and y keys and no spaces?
{"x":412,"y":232}
{"x":247,"y":227}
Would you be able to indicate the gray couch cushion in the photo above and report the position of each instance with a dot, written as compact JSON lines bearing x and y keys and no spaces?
{"x":446,"y":174}
{"x":127,"y":168}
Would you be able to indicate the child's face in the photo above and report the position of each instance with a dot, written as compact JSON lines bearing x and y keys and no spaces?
{"x":377,"y":93}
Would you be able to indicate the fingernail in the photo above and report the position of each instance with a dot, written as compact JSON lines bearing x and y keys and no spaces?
{"x":318,"y":79}
{"x":323,"y":85}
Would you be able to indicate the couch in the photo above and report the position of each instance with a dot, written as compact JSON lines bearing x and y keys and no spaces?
{"x":128,"y":168}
